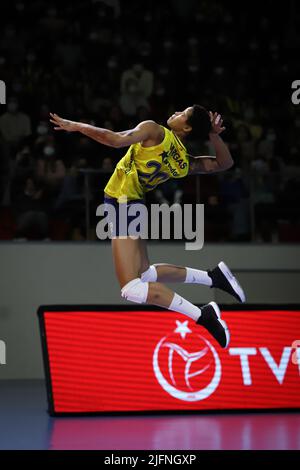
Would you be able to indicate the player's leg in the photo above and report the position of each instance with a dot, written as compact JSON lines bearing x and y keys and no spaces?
{"x":220,"y":277}
{"x":159,"y":294}
{"x":173,"y":273}
{"x":145,"y":262}
{"x":163,"y":272}
{"x":129,"y":258}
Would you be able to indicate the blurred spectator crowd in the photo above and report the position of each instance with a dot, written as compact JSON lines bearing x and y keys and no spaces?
{"x":113,"y":64}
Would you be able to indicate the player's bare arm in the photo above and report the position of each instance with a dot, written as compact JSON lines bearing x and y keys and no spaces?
{"x":147,"y":132}
{"x":223,"y":159}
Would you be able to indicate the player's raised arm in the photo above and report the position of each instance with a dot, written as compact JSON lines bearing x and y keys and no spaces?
{"x":146,"y":130}
{"x":223,"y":159}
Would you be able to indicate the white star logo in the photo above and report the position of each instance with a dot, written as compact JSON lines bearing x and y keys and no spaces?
{"x":182,"y":328}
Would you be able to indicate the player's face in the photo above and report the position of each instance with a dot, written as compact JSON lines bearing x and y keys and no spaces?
{"x":178,"y":120}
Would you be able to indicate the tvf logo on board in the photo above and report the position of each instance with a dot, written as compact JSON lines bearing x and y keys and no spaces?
{"x":2,"y":353}
{"x":2,"y":92}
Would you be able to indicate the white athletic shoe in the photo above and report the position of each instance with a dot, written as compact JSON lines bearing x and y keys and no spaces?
{"x":223,"y":279}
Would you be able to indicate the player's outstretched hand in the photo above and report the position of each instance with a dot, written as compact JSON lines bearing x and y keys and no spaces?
{"x":61,"y":124}
{"x":216,"y":123}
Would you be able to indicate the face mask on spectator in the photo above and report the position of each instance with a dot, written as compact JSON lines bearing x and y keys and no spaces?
{"x":42,"y":129}
{"x":49,"y":150}
{"x":12,"y":107}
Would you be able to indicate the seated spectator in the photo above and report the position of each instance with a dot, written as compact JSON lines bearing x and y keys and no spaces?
{"x":31,"y":217}
{"x":14,"y":124}
{"x":21,"y":168}
{"x":243,"y":147}
{"x":114,"y":4}
{"x":12,"y":43}
{"x":50,"y":171}
{"x":267,"y":144}
{"x":72,"y":188}
{"x":69,"y":53}
{"x":136,"y":88}
{"x":235,"y":198}
{"x":42,"y":132}
{"x":51,"y":24}
{"x":263,"y":199}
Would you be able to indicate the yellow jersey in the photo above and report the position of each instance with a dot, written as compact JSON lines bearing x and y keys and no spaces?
{"x":143,"y":168}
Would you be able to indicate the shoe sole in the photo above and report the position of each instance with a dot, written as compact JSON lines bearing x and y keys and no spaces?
{"x":232,"y":281}
{"x":223,"y":323}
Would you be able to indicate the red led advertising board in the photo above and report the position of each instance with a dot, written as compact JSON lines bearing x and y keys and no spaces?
{"x":141,"y":359}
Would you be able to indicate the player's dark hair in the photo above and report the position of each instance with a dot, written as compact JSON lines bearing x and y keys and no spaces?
{"x":200,"y":123}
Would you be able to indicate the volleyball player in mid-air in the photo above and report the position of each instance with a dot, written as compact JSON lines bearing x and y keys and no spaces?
{"x":157,"y":153}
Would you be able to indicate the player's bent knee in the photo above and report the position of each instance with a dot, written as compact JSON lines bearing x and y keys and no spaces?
{"x":135,"y":291}
{"x":150,"y":275}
